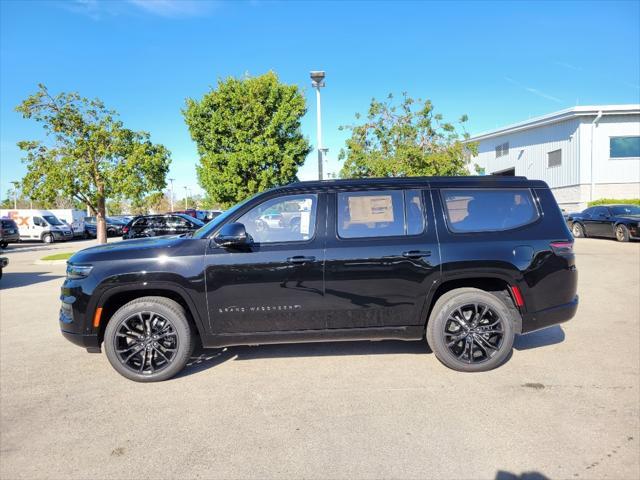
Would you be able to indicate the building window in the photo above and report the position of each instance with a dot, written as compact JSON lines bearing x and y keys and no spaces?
{"x":502,"y":150}
{"x":555,"y":158}
{"x":624,"y":147}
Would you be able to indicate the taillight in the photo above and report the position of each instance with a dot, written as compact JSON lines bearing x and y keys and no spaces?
{"x":517,"y":296}
{"x":562,"y":248}
{"x":125,"y":229}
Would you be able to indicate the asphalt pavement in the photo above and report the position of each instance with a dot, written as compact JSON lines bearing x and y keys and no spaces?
{"x":565,"y":405}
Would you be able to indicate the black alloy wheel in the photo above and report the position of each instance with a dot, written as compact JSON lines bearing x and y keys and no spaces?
{"x":474,"y":333}
{"x":146,"y":342}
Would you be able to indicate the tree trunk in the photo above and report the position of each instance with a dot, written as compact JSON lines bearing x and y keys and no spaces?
{"x":101,"y":219}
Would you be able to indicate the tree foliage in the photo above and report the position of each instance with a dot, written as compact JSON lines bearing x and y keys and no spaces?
{"x":89,"y":155}
{"x":248,"y":136}
{"x":408,"y":139}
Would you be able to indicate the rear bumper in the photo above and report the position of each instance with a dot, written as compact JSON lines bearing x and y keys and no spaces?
{"x":12,"y":238}
{"x":550,"y":316}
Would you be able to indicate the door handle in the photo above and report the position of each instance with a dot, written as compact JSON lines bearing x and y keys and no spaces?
{"x":416,"y":253}
{"x":298,"y":259}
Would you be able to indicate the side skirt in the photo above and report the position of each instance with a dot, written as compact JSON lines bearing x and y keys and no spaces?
{"x":305,"y":336}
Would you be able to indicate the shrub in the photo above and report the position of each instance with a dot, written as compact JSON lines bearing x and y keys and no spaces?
{"x":614,"y":201}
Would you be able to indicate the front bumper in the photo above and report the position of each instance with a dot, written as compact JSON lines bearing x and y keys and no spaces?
{"x":61,"y":235}
{"x":550,"y":316}
{"x":67,"y":327}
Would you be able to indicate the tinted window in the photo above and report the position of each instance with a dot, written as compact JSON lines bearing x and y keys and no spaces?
{"x":626,"y":210}
{"x":624,"y":147}
{"x":600,"y":212}
{"x":9,"y":224}
{"x":282,"y":219}
{"x":177,"y":222}
{"x":141,"y":222}
{"x":488,"y":210}
{"x":380,"y":213}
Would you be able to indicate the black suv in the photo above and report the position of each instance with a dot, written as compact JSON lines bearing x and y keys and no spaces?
{"x":467,"y":261}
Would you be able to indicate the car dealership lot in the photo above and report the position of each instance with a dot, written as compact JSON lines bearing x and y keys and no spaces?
{"x":565,"y":405}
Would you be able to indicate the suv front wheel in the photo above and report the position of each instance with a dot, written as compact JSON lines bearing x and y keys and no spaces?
{"x":471,"y":330}
{"x":149,"y":339}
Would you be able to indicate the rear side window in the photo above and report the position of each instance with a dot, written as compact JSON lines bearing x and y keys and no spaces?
{"x":385,"y":213}
{"x":9,"y":224}
{"x":488,"y":210}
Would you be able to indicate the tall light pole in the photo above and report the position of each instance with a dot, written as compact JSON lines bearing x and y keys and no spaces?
{"x":317,"y":82}
{"x":186,"y":196}
{"x":15,"y":194}
{"x":171,"y":180}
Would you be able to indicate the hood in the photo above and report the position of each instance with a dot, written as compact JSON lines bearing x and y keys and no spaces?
{"x":134,"y":249}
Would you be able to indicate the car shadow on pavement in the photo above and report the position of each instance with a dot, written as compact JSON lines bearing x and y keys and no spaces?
{"x":502,"y":475}
{"x":541,"y":338}
{"x":22,"y":279}
{"x":203,"y":359}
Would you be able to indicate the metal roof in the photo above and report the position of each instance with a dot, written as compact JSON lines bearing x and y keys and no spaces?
{"x":587,"y":110}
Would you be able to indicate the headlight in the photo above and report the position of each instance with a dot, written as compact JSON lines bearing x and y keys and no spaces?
{"x":78,"y":271}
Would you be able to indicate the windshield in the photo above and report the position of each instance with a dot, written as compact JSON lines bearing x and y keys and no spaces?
{"x":204,"y":231}
{"x":625,"y":210}
{"x":51,"y":220}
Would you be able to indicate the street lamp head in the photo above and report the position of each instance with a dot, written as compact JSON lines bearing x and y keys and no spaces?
{"x":317,"y":78}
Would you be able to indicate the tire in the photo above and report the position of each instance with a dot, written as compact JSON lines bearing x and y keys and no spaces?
{"x":443,"y":322}
{"x":578,"y":230}
{"x":622,"y":233}
{"x":0,"y":273}
{"x":48,"y":238}
{"x":4,"y":244}
{"x":176,"y":347}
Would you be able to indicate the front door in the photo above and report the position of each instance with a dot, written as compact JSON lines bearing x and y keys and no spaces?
{"x":382,"y":258}
{"x":276,"y":283}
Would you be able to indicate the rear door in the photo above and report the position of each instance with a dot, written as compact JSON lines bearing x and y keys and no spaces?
{"x":382,"y":258}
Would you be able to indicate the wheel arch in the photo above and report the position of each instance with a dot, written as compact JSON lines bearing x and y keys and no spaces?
{"x":114,"y":298}
{"x":497,"y":285}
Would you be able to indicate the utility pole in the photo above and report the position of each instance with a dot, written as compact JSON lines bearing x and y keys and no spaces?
{"x":171,"y":180}
{"x":15,"y":194}
{"x":186,"y":196}
{"x":317,"y":82}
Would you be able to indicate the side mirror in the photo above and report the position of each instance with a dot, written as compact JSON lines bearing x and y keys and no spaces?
{"x":232,"y":235}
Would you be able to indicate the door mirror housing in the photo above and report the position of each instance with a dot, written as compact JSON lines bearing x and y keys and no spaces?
{"x":232,"y":235}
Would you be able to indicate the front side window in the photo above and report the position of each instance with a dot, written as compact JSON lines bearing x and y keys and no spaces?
{"x":624,"y":147}
{"x":487,"y":210}
{"x":282,"y":219}
{"x":380,"y":213}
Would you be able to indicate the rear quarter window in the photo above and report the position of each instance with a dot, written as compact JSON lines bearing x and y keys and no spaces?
{"x":488,"y":210}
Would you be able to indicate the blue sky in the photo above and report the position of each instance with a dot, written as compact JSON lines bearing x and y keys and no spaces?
{"x":497,"y":62}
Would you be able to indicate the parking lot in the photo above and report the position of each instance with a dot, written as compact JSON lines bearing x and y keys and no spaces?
{"x":566,"y":405}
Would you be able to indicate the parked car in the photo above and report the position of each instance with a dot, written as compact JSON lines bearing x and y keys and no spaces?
{"x":613,"y":221}
{"x":73,"y":218}
{"x":114,"y":226}
{"x":38,"y":225}
{"x":468,"y":261}
{"x":4,"y":261}
{"x":90,"y":230}
{"x":157,"y":225}
{"x":8,"y":232}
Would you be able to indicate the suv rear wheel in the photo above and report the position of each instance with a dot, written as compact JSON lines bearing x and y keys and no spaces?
{"x":149,"y":339}
{"x":471,"y":330}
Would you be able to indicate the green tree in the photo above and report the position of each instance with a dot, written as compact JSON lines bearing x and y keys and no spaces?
{"x":248,"y":136}
{"x":408,"y":139}
{"x":89,"y":155}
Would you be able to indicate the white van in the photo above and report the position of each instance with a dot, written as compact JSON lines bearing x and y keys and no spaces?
{"x":73,"y":218}
{"x":38,"y":225}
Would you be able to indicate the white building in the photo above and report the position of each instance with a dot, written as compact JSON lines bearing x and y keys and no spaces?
{"x":583,"y":153}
